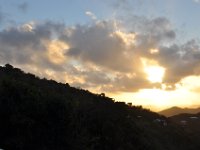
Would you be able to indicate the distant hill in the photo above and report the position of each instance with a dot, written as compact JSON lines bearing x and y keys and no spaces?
{"x":41,"y":114}
{"x":177,"y":110}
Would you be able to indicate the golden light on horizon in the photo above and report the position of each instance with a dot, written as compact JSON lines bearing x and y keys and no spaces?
{"x":158,"y":99}
{"x":56,"y":51}
{"x":155,"y":73}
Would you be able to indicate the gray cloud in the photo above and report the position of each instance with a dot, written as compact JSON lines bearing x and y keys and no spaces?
{"x":23,"y":7}
{"x":97,"y":44}
{"x":180,"y":61}
{"x":94,"y":44}
{"x":28,"y":44}
{"x":102,"y":56}
{"x":125,"y":83}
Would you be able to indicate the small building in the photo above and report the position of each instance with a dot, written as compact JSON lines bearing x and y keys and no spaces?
{"x":161,"y":121}
{"x":129,"y":104}
{"x":194,"y":118}
{"x":183,"y":122}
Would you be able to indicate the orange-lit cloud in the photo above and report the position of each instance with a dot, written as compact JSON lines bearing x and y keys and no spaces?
{"x":101,"y":56}
{"x":56,"y":51}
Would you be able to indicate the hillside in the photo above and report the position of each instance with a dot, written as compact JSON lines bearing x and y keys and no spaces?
{"x":177,"y":110}
{"x":190,"y":123}
{"x":41,"y":114}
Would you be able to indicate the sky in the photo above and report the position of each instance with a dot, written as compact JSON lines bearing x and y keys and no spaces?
{"x":142,"y":51}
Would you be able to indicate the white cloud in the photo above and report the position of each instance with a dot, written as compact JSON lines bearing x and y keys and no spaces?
{"x":91,"y":15}
{"x":196,"y":1}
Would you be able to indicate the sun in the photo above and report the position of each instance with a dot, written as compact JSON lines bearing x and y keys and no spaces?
{"x":155,"y":74}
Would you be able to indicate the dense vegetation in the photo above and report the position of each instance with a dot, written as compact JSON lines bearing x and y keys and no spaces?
{"x":190,"y":123}
{"x":41,"y":114}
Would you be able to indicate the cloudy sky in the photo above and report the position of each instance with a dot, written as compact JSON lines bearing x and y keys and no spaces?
{"x":142,"y":51}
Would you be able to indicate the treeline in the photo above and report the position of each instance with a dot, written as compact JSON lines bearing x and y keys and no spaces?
{"x":41,"y":114}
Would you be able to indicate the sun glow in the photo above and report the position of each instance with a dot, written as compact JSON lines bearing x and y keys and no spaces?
{"x":154,"y":73}
{"x":154,"y":51}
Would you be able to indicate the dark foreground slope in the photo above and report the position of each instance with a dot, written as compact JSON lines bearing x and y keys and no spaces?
{"x":40,"y":114}
{"x":190,"y":123}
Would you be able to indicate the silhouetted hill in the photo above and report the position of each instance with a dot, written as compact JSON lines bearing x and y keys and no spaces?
{"x":177,"y":110}
{"x":41,"y":114}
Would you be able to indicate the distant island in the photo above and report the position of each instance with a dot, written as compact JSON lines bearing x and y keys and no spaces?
{"x":41,"y":114}
{"x":177,"y":110}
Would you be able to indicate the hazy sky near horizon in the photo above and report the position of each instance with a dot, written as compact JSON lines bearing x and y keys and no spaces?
{"x":141,"y":51}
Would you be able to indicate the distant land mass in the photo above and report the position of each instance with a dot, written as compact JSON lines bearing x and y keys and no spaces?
{"x":178,"y":110}
{"x":41,"y":114}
